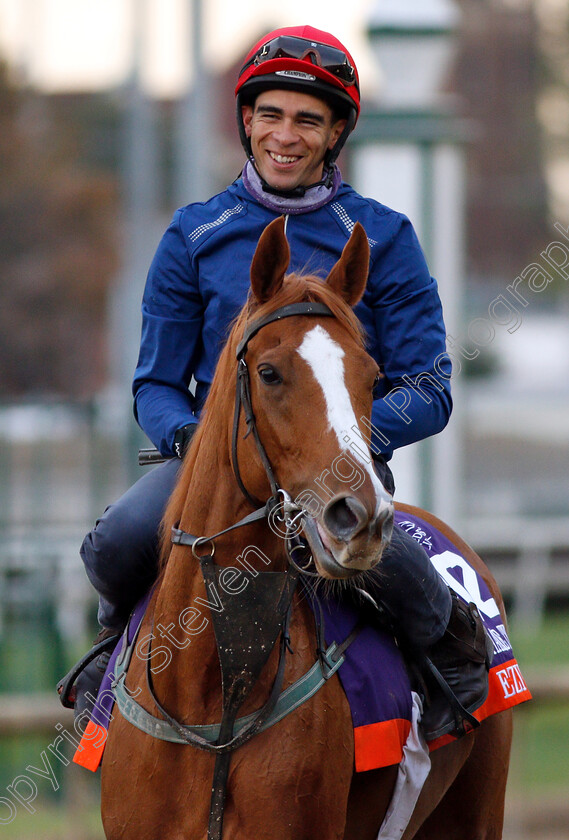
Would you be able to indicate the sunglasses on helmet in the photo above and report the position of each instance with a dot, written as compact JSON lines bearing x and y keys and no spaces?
{"x":333,"y":60}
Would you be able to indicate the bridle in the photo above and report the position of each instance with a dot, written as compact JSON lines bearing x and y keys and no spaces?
{"x":289,"y":511}
{"x":266,"y":607}
{"x":240,"y":671}
{"x":243,"y":391}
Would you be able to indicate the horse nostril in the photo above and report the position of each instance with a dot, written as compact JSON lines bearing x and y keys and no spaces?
{"x":344,"y":516}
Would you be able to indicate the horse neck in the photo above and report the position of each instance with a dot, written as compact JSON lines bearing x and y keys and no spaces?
{"x":207,"y":498}
{"x":206,"y":501}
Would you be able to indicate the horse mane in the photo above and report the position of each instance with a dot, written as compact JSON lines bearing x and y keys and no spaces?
{"x":296,"y":288}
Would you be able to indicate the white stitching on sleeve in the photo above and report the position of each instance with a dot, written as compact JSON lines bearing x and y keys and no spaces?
{"x":232,"y":211}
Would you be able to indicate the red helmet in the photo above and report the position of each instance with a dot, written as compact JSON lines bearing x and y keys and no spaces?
{"x":307,"y":60}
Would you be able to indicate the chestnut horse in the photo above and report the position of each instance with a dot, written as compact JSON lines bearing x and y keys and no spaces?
{"x":306,"y":372}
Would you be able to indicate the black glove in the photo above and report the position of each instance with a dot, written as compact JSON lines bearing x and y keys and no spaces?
{"x":182,"y":439}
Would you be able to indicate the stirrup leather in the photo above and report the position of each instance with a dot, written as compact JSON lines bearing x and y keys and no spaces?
{"x":66,"y":685}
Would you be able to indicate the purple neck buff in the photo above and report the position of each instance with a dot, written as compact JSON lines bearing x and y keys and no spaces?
{"x":314,"y":197}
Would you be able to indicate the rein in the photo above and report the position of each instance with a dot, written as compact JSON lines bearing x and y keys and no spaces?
{"x":266,"y":605}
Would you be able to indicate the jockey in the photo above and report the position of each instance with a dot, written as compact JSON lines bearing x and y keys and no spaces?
{"x":297,"y":101}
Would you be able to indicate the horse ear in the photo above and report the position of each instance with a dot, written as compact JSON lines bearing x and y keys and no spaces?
{"x":270,"y":261}
{"x":349,"y":276}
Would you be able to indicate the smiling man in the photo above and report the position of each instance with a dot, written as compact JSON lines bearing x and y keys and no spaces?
{"x":290,"y":133}
{"x":297,"y":99}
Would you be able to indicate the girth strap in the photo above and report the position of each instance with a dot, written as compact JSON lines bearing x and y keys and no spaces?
{"x":261,"y":611}
{"x":239,"y":674}
{"x":288,"y":700}
{"x":205,"y":736}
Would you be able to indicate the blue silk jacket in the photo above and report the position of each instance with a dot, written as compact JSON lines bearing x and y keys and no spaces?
{"x":199,"y":279}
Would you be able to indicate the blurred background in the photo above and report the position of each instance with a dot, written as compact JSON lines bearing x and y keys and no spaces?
{"x":115,"y":112}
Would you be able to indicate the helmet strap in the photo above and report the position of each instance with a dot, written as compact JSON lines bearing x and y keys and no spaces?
{"x":300,"y":200}
{"x":332,"y":154}
{"x":296,"y":192}
{"x":300,"y":191}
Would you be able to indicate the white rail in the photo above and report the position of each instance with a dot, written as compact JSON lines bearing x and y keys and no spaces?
{"x":532,"y":572}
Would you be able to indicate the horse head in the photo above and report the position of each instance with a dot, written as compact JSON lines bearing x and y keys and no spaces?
{"x":310,"y":389}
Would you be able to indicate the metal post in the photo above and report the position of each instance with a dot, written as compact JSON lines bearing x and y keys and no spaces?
{"x":408,"y":156}
{"x":194,"y":136}
{"x":141,"y":187}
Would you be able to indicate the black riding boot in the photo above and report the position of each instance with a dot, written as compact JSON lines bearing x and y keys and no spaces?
{"x":457,"y":673}
{"x":79,"y":688}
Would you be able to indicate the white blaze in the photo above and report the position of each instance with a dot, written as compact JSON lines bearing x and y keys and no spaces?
{"x":325,"y":358}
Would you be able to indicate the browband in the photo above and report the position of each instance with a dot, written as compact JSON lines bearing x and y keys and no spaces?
{"x":303,"y":308}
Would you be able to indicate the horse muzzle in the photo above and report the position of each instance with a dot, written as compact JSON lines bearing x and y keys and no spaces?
{"x":345,"y":540}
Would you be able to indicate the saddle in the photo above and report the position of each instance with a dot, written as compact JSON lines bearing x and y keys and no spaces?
{"x":370,"y":667}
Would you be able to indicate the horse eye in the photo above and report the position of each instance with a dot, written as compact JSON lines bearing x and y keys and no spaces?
{"x":269,"y":375}
{"x":376,"y":381}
